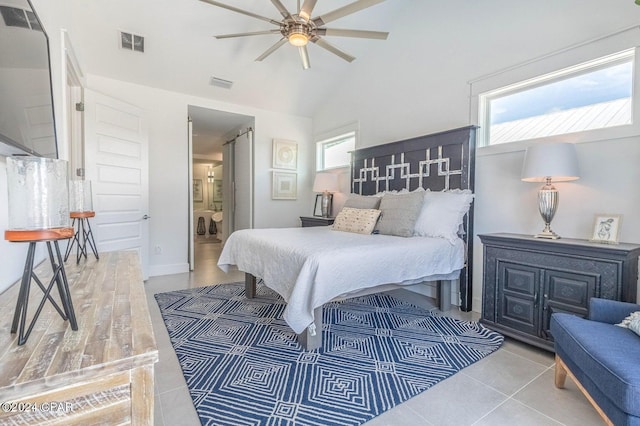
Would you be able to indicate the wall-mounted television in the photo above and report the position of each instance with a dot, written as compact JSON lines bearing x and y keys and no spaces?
{"x":27,"y":124}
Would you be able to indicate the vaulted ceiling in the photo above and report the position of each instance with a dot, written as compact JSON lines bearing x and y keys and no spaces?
{"x":181,"y":53}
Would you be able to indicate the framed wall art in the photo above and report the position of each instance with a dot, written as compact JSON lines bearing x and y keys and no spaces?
{"x":197,"y":190}
{"x":285,"y":154}
{"x":606,"y":228}
{"x":284,"y":186}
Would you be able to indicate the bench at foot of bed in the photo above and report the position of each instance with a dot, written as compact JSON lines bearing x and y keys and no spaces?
{"x":311,"y":338}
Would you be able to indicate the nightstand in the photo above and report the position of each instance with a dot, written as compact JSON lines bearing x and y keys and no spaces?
{"x":308,"y":221}
{"x":527,"y":279}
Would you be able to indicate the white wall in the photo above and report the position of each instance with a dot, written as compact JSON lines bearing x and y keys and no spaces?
{"x":421,"y":87}
{"x":168,"y":165}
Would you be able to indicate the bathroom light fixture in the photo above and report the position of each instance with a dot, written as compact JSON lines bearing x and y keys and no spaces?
{"x":551,"y":162}
{"x":210,"y":175}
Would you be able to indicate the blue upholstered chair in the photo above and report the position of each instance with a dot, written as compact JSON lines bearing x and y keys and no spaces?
{"x":603,"y":359}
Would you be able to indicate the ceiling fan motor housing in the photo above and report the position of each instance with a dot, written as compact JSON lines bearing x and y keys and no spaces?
{"x":297,"y":30}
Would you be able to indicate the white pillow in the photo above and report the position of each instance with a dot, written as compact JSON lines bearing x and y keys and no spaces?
{"x":442,"y":214}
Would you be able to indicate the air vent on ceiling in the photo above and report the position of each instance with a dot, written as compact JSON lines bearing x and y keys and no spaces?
{"x":130,"y":41}
{"x":16,"y":17}
{"x":220,"y":82}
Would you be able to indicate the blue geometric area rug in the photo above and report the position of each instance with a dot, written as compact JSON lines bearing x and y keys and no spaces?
{"x":243,"y":365}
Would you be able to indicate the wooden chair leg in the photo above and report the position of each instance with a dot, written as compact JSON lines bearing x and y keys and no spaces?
{"x":561,"y":373}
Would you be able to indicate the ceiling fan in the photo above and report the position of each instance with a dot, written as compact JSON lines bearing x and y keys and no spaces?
{"x":300,"y":28}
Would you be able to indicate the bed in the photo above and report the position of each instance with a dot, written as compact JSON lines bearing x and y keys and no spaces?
{"x":311,"y":266}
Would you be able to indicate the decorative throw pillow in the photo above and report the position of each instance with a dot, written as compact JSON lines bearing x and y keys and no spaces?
{"x":399,"y":213}
{"x":362,"y":202}
{"x":625,"y":322}
{"x":360,"y":221}
{"x":442,"y":214}
{"x":634,"y":325}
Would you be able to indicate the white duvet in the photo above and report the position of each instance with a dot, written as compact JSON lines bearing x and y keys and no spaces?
{"x":311,"y":266}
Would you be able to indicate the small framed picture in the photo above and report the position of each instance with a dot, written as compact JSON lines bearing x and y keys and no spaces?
{"x":197,"y":190}
{"x":605,"y":228}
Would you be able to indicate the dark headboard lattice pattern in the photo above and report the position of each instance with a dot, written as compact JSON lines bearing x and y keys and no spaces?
{"x":440,"y":161}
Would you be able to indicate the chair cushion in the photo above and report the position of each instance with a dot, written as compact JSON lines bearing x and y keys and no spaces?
{"x":608,"y":355}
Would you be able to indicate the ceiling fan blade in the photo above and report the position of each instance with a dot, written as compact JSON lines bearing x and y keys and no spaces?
{"x":331,"y":48}
{"x":272,"y":49}
{"x":307,"y":9}
{"x":283,"y":10}
{"x":244,"y":12}
{"x":344,"y":11}
{"x":352,"y":33}
{"x":248,"y":34}
{"x":304,"y":56}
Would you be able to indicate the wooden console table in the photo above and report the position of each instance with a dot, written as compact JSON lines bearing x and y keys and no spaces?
{"x":102,"y":373}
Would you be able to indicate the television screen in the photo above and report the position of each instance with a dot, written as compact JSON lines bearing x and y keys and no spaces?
{"x":26,"y":108}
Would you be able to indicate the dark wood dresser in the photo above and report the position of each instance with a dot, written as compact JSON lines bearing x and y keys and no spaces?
{"x":526,"y":279}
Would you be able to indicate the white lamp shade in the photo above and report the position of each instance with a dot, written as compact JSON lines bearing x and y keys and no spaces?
{"x":557,"y":161}
{"x":325,"y":182}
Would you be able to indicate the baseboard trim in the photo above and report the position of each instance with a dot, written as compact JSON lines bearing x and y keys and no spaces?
{"x":176,"y":268}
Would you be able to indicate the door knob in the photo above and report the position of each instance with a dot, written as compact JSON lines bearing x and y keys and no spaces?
{"x":145,"y":217}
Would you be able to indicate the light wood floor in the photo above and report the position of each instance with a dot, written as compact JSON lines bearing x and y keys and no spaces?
{"x":513,"y":386}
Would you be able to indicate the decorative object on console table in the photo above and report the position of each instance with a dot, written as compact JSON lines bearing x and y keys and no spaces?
{"x":81,"y":209}
{"x":552,"y":162}
{"x":527,"y":279}
{"x":308,"y":221}
{"x":327,"y":183}
{"x":606,"y":228}
{"x":285,"y":154}
{"x":284,"y":186}
{"x":39,"y":212}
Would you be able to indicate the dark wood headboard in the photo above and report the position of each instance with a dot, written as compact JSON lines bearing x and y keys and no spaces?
{"x":439,"y":161}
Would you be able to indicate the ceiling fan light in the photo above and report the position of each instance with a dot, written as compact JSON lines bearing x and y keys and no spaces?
{"x":298,"y":39}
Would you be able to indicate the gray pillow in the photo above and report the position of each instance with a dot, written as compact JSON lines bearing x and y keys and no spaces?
{"x":356,"y":201}
{"x":399,"y":213}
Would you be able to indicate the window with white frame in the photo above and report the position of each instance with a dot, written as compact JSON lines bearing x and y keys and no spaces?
{"x":335,"y":152}
{"x":593,"y":95}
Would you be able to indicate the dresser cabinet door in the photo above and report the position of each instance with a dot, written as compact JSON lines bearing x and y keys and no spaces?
{"x":517,"y":296}
{"x":567,"y":292}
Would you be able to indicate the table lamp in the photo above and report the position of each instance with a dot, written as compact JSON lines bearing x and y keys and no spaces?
{"x":550,"y":162}
{"x":326,"y":183}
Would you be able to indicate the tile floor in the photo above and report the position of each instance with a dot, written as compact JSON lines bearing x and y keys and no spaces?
{"x":513,"y":386}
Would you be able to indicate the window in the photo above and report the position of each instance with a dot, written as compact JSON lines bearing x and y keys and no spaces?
{"x":335,"y":152}
{"x":593,"y":95}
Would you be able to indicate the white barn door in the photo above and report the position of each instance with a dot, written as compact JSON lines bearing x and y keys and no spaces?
{"x":117,"y":163}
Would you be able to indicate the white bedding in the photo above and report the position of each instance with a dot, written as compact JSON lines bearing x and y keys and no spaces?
{"x":311,"y":266}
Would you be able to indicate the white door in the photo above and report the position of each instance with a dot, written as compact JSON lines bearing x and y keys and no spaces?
{"x":117,"y":163}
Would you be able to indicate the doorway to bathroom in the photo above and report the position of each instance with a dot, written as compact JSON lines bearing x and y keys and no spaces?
{"x":221,"y":176}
